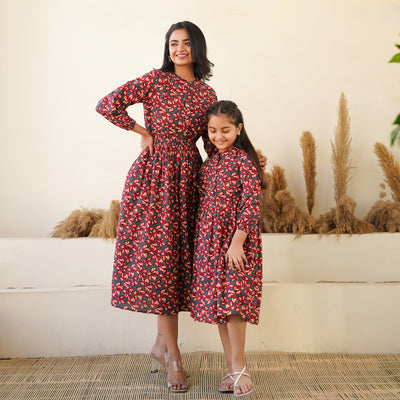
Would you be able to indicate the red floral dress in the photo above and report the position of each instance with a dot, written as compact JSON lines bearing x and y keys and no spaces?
{"x":229,"y":200}
{"x":154,"y":247}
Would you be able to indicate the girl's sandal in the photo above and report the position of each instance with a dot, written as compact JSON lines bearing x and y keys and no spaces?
{"x":176,"y":377}
{"x":235,"y":384}
{"x":223,"y":387}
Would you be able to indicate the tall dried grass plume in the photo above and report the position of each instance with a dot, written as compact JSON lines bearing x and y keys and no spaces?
{"x":391,"y":169}
{"x":341,"y":219}
{"x":308,"y":147}
{"x":341,"y":150}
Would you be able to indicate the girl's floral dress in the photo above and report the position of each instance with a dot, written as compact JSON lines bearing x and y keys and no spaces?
{"x":229,"y":200}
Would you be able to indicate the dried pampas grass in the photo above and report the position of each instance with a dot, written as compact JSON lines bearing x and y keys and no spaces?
{"x":341,"y":219}
{"x":391,"y":169}
{"x":269,"y":209}
{"x":279,"y":212}
{"x":308,"y":147}
{"x":290,"y":218}
{"x":78,"y":224}
{"x":278,"y":180}
{"x":341,"y":150}
{"x":385,"y":216}
{"x":106,"y":227}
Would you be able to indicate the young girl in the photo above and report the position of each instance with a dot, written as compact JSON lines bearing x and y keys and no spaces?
{"x":227,"y":270}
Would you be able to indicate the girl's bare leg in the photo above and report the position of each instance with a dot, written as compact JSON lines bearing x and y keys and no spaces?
{"x":236,"y":328}
{"x":226,"y":344}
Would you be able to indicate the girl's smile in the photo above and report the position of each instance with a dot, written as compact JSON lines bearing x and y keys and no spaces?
{"x":222,"y":132}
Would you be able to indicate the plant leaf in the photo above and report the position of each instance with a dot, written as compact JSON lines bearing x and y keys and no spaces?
{"x":398,"y":46}
{"x":395,"y":58}
{"x":394,"y":134}
{"x":397,"y":120}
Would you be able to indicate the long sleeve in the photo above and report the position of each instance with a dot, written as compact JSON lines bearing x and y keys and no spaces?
{"x":250,"y":202}
{"x":113,"y":106}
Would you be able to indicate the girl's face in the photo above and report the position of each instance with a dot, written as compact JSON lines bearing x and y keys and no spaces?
{"x":222,"y":132}
{"x":179,"y":48}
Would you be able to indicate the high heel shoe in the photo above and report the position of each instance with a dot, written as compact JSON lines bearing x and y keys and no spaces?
{"x":176,"y":377}
{"x":235,"y":384}
{"x":157,"y":360}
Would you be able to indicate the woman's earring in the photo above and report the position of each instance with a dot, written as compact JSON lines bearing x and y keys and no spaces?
{"x":169,"y":58}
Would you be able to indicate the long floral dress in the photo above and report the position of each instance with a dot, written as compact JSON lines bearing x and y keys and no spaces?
{"x":229,"y":200}
{"x":154,"y":246}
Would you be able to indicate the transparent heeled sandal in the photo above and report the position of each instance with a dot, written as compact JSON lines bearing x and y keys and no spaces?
{"x":176,"y":377}
{"x":156,"y":362}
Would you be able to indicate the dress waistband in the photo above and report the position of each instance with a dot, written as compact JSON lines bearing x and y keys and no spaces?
{"x":174,"y":144}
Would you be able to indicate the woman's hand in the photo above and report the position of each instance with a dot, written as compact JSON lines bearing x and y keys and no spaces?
{"x":262,"y":160}
{"x":147,"y":142}
{"x":235,"y":257}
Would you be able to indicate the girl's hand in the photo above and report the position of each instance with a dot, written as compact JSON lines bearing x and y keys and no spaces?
{"x":262,"y":160}
{"x":235,"y":257}
{"x":147,"y":142}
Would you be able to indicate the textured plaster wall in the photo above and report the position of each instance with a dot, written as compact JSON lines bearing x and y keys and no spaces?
{"x":284,"y":62}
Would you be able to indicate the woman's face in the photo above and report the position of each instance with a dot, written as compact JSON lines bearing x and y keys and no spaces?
{"x":222,"y":132}
{"x":179,"y":48}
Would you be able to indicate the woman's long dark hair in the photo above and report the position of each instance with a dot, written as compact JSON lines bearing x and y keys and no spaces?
{"x":231,"y":110}
{"x":202,"y":65}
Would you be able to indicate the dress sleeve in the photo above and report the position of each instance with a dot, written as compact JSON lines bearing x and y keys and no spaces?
{"x":113,"y":106}
{"x":208,"y":147}
{"x":250,"y":202}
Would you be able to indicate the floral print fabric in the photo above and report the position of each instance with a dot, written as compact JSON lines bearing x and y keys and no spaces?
{"x":229,"y":200}
{"x":154,"y":246}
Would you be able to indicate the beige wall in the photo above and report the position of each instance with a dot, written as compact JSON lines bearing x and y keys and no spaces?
{"x":284,"y":62}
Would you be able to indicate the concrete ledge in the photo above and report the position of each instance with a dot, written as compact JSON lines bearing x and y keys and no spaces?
{"x":55,"y":299}
{"x":351,"y":318}
{"x":44,"y":262}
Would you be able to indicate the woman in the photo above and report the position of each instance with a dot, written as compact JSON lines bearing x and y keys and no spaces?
{"x":154,"y":248}
{"x":152,"y":265}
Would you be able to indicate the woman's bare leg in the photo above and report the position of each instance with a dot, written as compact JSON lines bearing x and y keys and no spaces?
{"x":168,"y":330}
{"x":159,"y":347}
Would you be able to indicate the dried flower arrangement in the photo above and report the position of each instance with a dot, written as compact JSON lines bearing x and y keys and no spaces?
{"x":341,"y":219}
{"x":78,"y":224}
{"x":106,"y":227}
{"x":279,"y":212}
{"x":85,"y":222}
{"x":385,"y":215}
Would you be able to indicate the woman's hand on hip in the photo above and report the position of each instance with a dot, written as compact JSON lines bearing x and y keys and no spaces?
{"x":147,"y":142}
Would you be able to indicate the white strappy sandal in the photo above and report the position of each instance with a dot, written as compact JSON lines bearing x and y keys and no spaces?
{"x":229,"y":388}
{"x":235,"y":384}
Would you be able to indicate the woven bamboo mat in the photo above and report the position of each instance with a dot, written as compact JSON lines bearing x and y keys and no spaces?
{"x":283,"y":376}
